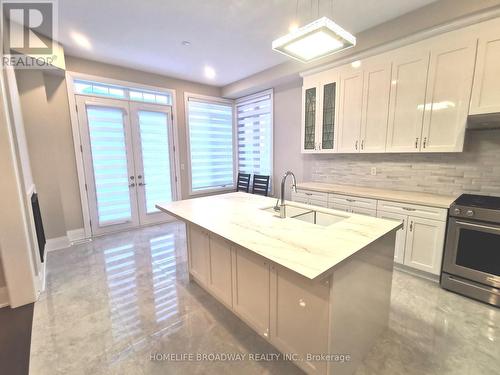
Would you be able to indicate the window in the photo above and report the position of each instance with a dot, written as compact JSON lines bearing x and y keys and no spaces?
{"x":119,"y":92}
{"x":255,"y":133}
{"x":210,"y":125}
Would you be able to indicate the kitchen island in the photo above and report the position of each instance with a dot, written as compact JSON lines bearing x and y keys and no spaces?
{"x":315,"y":284}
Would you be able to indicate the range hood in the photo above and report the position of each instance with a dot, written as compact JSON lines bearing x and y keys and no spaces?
{"x":484,"y":121}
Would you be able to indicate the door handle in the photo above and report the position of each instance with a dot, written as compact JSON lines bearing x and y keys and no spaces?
{"x":142,"y":184}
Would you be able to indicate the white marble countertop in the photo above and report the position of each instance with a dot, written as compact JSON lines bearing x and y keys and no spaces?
{"x":425,"y":199}
{"x":309,"y":249}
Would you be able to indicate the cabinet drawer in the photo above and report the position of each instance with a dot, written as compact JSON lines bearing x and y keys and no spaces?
{"x":364,"y":211}
{"x":320,"y":203}
{"x":358,"y":202}
{"x":340,"y":207}
{"x":299,"y":197}
{"x":413,"y":210}
{"x":314,"y":195}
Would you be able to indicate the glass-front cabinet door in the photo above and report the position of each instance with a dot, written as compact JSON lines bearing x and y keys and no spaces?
{"x":310,"y":114}
{"x":319,"y":115}
{"x":328,"y":101}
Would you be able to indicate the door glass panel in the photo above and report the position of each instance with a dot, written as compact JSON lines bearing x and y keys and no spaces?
{"x":156,"y":158}
{"x":328,"y":116}
{"x":310,"y":118}
{"x":109,"y":159}
{"x":479,"y":251}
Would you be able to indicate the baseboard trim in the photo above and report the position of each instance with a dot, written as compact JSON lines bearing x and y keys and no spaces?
{"x":4,"y":297}
{"x":57,"y":243}
{"x":417,"y":273}
{"x":76,"y":236}
{"x":72,"y":237}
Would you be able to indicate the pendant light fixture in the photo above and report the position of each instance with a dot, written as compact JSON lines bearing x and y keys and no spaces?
{"x":317,"y":39}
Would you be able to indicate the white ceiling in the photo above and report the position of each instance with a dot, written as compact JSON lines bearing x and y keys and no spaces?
{"x":232,"y":36}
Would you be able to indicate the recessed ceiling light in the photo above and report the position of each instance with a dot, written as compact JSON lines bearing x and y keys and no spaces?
{"x":186,"y":43}
{"x":209,"y":72}
{"x":81,"y":40}
{"x":317,"y":39}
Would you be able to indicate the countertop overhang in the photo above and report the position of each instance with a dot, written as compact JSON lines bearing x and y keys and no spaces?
{"x":309,"y":249}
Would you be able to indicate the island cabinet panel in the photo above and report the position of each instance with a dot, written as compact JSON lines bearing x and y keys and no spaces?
{"x":220,"y":276}
{"x":251,"y":275}
{"x":199,"y":254}
{"x":300,"y":311}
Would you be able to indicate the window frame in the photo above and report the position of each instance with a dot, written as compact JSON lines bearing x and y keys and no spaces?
{"x":216,"y":100}
{"x":249,"y":99}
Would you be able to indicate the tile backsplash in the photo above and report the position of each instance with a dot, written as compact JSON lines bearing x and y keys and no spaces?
{"x":476,"y":170}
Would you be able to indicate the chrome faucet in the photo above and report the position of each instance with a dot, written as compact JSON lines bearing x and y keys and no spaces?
{"x":281,"y":200}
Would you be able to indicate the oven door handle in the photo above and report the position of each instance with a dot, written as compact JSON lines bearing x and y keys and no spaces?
{"x":479,"y":226}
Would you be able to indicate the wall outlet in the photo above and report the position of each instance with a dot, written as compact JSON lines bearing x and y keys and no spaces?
{"x":373,"y":171}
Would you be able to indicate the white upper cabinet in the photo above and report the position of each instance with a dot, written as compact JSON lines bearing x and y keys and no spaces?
{"x":412,"y":99}
{"x":327,"y":136}
{"x":374,"y":117}
{"x":350,"y":109}
{"x":310,"y":113}
{"x":406,"y":109}
{"x":486,"y":90}
{"x":449,"y":88}
{"x":319,"y":112}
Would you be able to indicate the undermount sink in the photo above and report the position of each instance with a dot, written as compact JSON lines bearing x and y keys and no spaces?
{"x":307,"y":215}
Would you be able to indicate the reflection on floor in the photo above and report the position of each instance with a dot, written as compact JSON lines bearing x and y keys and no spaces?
{"x":113,"y":304}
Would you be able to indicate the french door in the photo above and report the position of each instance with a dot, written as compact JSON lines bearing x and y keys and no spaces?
{"x":128,"y":156}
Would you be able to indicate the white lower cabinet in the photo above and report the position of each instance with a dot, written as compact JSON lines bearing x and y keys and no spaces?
{"x":220,"y":275}
{"x":424,"y":244}
{"x":300,"y":316}
{"x":198,"y":254}
{"x":399,"y":251}
{"x":251,"y":276}
{"x":419,"y":244}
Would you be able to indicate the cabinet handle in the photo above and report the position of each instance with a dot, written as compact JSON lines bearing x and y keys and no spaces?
{"x":409,"y":209}
{"x":425,"y":142}
{"x":356,"y":145}
{"x":416,"y":142}
{"x":131,"y":185}
{"x":363,"y":144}
{"x":411,"y":226}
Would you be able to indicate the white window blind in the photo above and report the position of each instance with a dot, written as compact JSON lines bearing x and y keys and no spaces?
{"x":211,"y":144}
{"x":109,"y":159}
{"x":255,"y":133}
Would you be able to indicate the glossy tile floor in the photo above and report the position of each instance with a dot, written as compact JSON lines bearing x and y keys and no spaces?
{"x":114,"y":302}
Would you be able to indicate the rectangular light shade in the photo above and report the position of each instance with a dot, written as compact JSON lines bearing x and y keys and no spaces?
{"x":315,"y":40}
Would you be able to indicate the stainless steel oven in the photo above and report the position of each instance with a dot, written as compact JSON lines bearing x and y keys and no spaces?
{"x":471,"y":264}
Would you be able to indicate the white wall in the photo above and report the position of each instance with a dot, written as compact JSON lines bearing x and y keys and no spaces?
{"x":287,"y":115}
